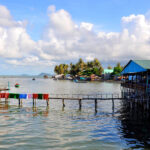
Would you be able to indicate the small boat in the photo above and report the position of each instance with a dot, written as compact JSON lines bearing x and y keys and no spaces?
{"x":79,"y":81}
{"x":75,"y":80}
{"x":17,"y":85}
{"x":33,"y":78}
{"x":55,"y":79}
{"x":82,"y":82}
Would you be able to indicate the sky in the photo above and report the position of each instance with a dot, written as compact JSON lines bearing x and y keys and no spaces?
{"x":36,"y":35}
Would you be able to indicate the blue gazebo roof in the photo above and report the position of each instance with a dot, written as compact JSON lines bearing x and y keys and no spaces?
{"x":136,"y":66}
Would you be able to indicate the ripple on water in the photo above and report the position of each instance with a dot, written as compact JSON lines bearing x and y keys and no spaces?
{"x":57,"y":128}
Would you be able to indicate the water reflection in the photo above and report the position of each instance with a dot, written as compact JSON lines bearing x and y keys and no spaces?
{"x":95,"y":126}
{"x":135,"y":126}
{"x":37,"y":112}
{"x":5,"y":108}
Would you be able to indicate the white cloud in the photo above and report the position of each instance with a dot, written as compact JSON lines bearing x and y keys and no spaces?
{"x":30,"y":61}
{"x":51,"y":8}
{"x":14,"y":40}
{"x":87,"y":26}
{"x":66,"y":41}
{"x":67,"y":38}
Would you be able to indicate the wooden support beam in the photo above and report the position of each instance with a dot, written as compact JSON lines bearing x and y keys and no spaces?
{"x":33,"y":102}
{"x":47,"y":102}
{"x":6,"y":100}
{"x":63,"y":102}
{"x":147,"y":102}
{"x":130,"y":104}
{"x":19,"y":101}
{"x":96,"y":105}
{"x":113,"y":104}
{"x":80,"y":104}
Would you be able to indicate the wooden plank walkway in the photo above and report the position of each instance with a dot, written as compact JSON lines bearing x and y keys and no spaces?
{"x":103,"y":96}
{"x":4,"y":89}
{"x":79,"y":97}
{"x":82,"y":97}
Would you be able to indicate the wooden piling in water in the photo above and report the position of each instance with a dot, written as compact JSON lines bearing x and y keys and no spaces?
{"x":33,"y":102}
{"x":63,"y":102}
{"x":80,"y":104}
{"x":47,"y":102}
{"x":95,"y":105}
{"x":130,"y":104}
{"x":113,"y":104}
{"x":6,"y":100}
{"x":19,"y":101}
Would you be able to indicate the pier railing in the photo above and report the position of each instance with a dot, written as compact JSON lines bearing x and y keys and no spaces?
{"x":99,"y":96}
{"x":79,"y":97}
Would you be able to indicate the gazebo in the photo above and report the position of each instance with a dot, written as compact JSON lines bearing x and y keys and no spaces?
{"x":136,"y":77}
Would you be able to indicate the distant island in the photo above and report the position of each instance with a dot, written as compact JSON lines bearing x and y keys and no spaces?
{"x":90,"y":69}
{"x":28,"y":75}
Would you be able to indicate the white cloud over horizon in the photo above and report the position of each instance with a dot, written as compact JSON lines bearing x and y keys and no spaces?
{"x":66,"y":41}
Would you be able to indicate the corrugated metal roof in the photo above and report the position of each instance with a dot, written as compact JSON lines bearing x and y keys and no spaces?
{"x":135,"y":66}
{"x":143,"y":63}
{"x":108,"y":71}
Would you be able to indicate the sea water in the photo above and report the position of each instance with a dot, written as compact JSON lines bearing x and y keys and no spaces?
{"x":69,"y":128}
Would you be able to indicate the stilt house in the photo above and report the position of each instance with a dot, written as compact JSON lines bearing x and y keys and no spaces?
{"x":136,"y":77}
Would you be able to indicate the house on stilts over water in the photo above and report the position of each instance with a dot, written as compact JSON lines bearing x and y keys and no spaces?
{"x":136,"y":80}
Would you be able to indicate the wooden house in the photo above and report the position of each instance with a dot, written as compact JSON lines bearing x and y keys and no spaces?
{"x":136,"y":77}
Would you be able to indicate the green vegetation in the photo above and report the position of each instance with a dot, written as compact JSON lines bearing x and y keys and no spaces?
{"x":85,"y":68}
{"x":61,"y":69}
{"x":80,"y":68}
{"x":117,"y":69}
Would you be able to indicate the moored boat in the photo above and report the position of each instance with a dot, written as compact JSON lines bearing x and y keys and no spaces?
{"x":17,"y":85}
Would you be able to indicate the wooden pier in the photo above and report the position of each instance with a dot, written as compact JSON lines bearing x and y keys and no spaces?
{"x":4,"y":89}
{"x":112,"y":97}
{"x":81,"y":97}
{"x":78,"y":97}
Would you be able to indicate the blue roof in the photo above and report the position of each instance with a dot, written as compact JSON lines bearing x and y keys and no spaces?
{"x":135,"y":66}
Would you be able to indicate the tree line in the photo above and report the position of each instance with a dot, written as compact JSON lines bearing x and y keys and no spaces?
{"x":85,"y":68}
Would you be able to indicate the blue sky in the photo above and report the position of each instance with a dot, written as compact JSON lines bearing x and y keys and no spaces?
{"x":105,"y":16}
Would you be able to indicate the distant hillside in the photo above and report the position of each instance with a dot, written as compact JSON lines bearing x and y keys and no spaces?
{"x":42,"y":74}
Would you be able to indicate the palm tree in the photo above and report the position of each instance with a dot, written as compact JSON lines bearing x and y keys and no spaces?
{"x":56,"y":69}
{"x":96,"y":63}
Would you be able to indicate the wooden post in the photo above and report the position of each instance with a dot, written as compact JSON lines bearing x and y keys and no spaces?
{"x":96,"y":105}
{"x":147,"y":83}
{"x":19,"y":101}
{"x":147,"y":101}
{"x":6,"y":100}
{"x":33,"y":101}
{"x":113,"y":103}
{"x":63,"y":102}
{"x":47,"y":102}
{"x":130,"y":104}
{"x":80,"y":105}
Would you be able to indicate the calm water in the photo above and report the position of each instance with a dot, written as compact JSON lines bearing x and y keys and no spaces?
{"x":69,"y":129}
